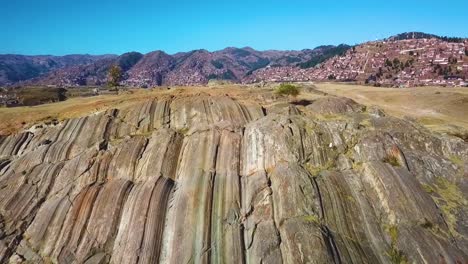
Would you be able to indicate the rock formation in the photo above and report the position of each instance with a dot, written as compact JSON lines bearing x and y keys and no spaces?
{"x":233,"y":179}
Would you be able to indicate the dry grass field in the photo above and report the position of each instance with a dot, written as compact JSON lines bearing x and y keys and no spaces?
{"x":439,"y":109}
{"x":15,"y":119}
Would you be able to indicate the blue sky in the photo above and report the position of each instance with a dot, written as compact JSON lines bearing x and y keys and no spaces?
{"x":61,"y":27}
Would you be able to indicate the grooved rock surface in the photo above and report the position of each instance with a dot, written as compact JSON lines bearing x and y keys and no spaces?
{"x":222,"y":179}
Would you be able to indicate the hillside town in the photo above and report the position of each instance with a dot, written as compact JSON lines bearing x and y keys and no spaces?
{"x":401,"y":63}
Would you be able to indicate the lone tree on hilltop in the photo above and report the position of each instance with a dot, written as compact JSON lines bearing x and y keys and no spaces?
{"x":115,"y":76}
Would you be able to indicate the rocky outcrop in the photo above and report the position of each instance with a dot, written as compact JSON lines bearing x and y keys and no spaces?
{"x":225,"y":179}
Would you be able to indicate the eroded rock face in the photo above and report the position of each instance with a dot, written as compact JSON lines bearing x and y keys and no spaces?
{"x":211,"y":179}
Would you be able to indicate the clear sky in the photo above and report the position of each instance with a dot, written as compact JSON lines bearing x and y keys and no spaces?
{"x":61,"y":27}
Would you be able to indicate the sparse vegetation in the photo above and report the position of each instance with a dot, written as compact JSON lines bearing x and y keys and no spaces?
{"x":30,"y":96}
{"x":241,"y":52}
{"x":217,"y":64}
{"x":290,"y":59}
{"x":316,"y":170}
{"x":392,"y":160}
{"x":127,"y":60}
{"x":311,"y":219}
{"x":427,"y":224}
{"x":260,"y":63}
{"x":332,"y":52}
{"x":183,"y":130}
{"x":396,"y":256}
{"x":449,"y":199}
{"x":456,"y":160}
{"x":287,"y":89}
{"x":227,"y":75}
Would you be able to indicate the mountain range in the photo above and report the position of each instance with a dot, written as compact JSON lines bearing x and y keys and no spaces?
{"x":426,"y":58}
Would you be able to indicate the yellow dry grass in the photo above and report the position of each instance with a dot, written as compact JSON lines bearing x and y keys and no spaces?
{"x":437,"y":108}
{"x":15,"y":119}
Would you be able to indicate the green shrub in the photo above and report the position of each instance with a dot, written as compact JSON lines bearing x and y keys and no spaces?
{"x":287,"y":89}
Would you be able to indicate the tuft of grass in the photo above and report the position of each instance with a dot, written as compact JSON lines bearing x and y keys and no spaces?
{"x":392,"y":231}
{"x":143,"y":134}
{"x":316,"y":170}
{"x":357,"y":166}
{"x":428,"y":188}
{"x":366,"y":123}
{"x":183,"y":130}
{"x":396,"y":256}
{"x":392,"y":160}
{"x":287,"y":89}
{"x":311,"y":219}
{"x":427,"y":224}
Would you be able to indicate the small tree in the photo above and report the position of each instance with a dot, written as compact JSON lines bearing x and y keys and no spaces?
{"x":115,"y":76}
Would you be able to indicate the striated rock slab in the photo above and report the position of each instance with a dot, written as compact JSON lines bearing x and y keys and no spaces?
{"x":213,"y":179}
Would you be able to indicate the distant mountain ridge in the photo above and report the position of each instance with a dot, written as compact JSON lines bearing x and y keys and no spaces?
{"x":327,"y":62}
{"x":184,"y":68}
{"x":16,"y":68}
